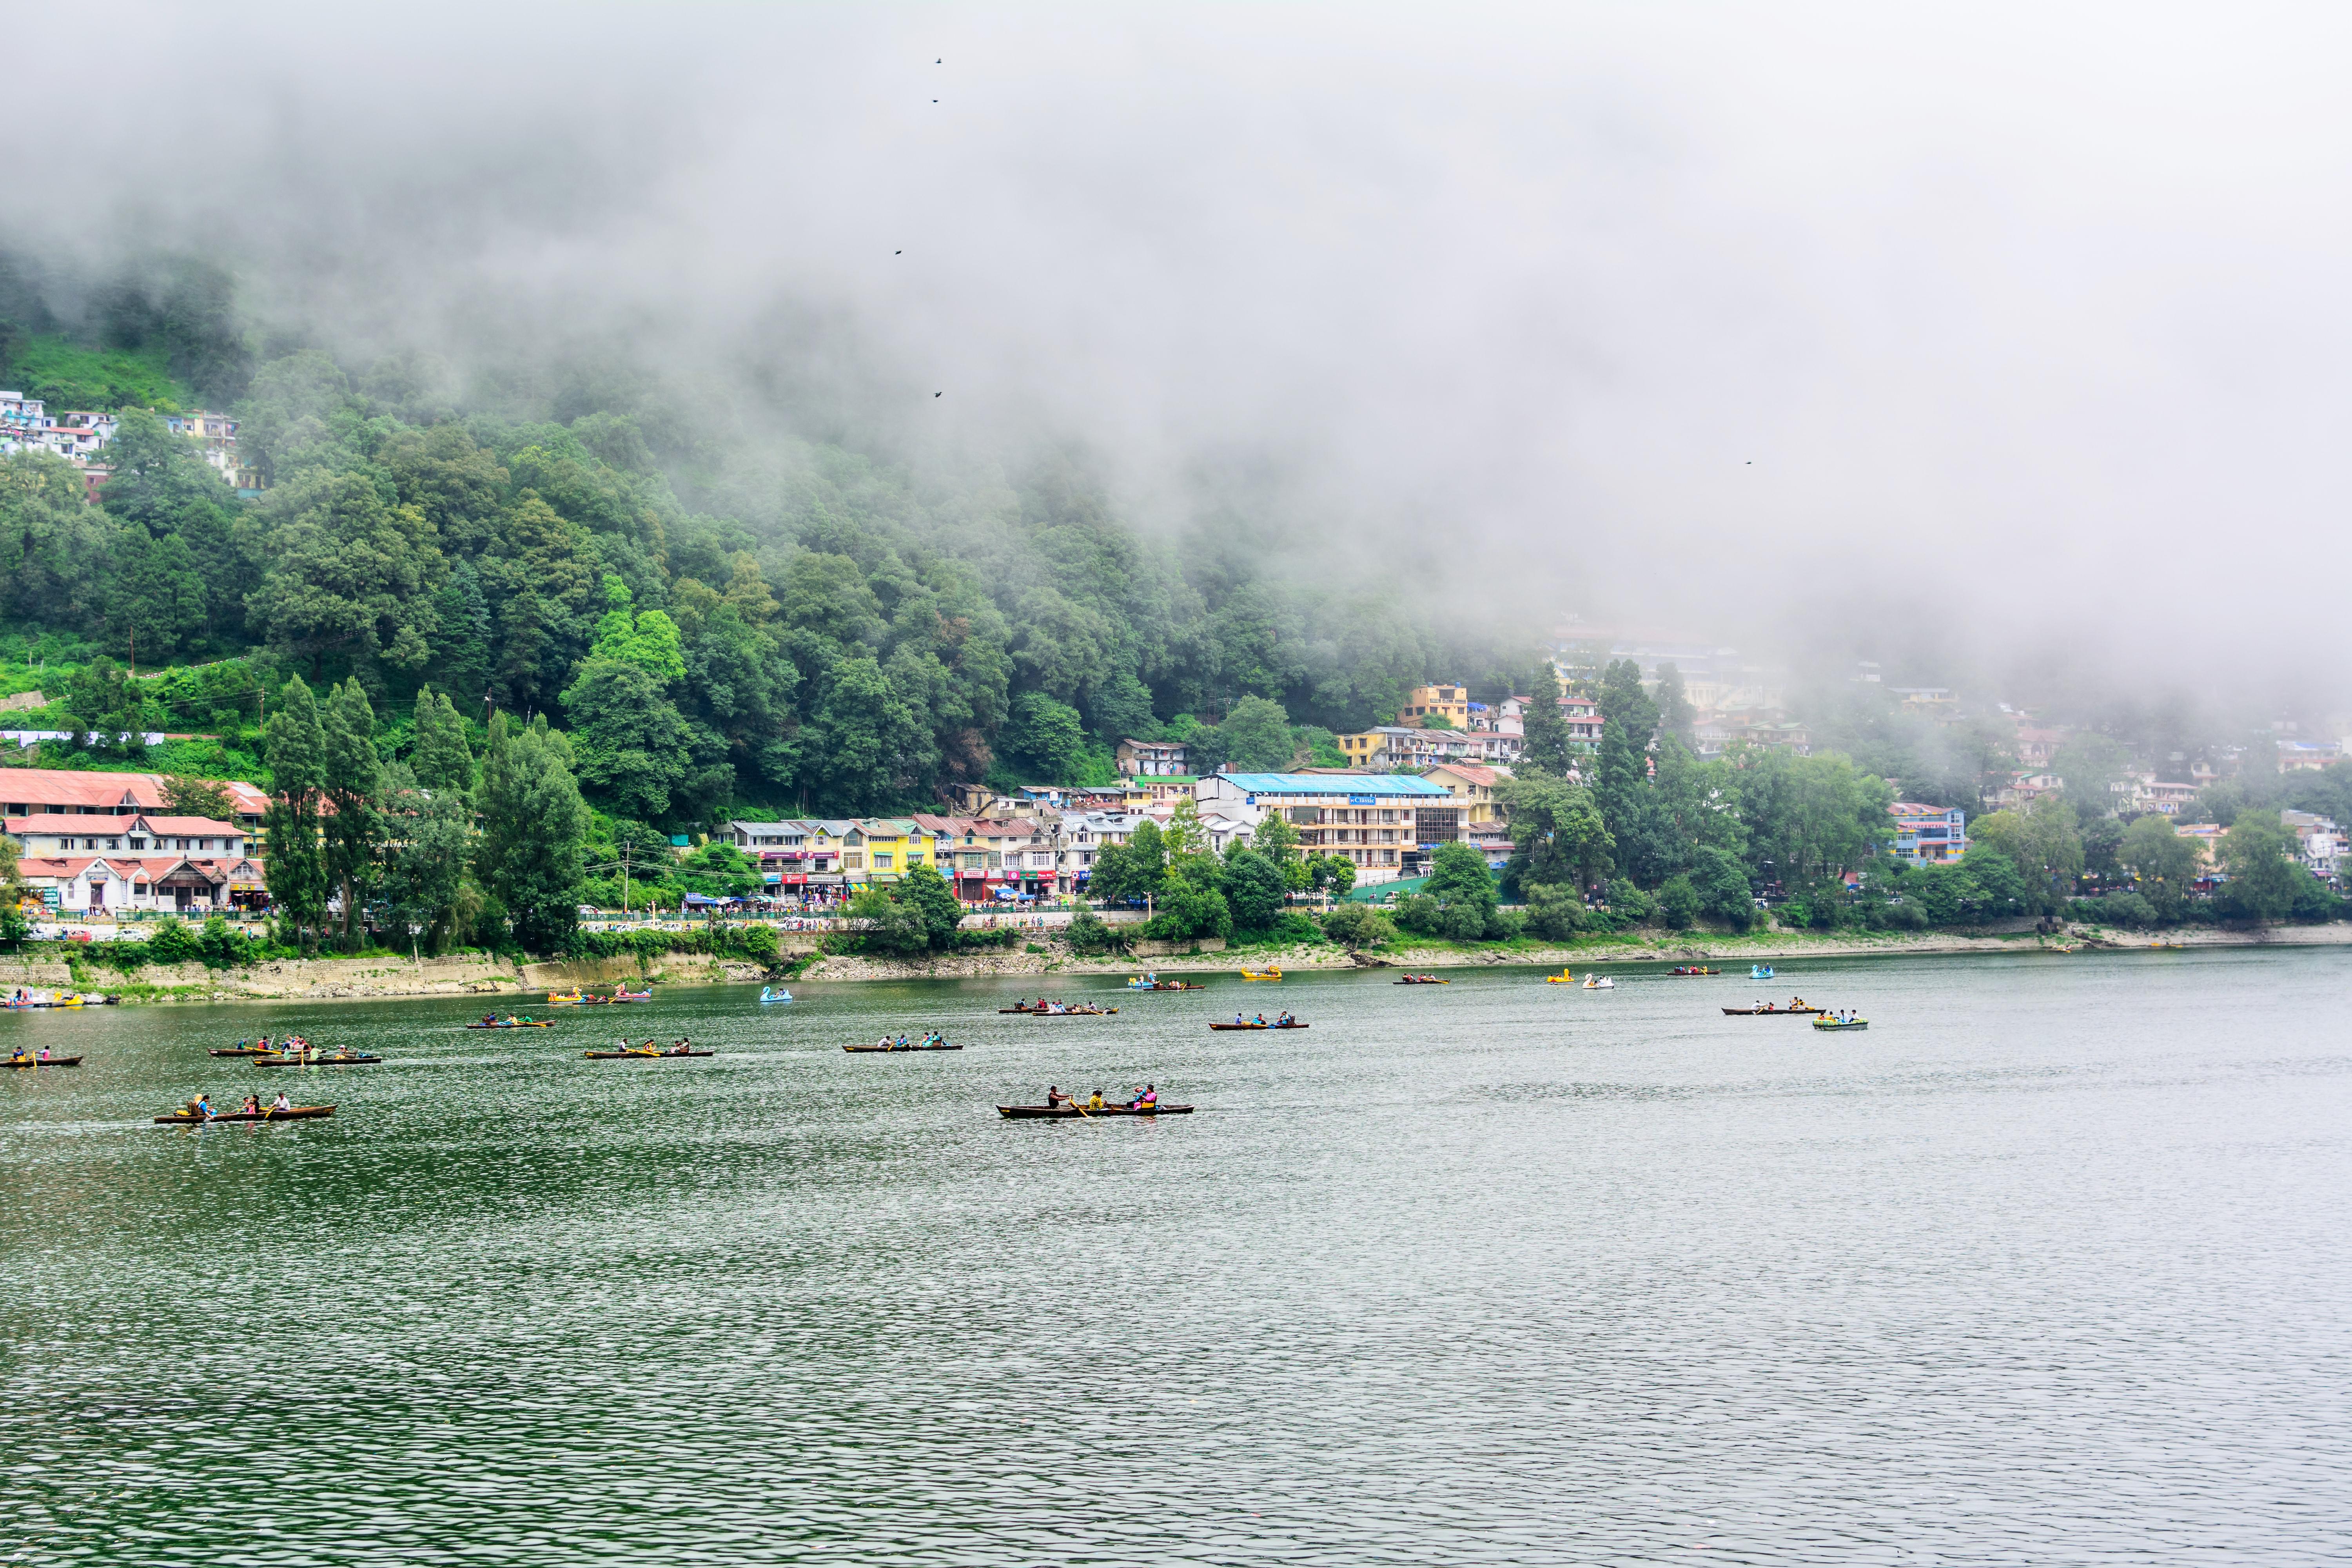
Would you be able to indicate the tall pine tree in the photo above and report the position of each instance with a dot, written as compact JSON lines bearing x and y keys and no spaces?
{"x":439,"y":757}
{"x":533,"y":825}
{"x":353,"y":784}
{"x":297,"y":745}
{"x":1546,"y":750}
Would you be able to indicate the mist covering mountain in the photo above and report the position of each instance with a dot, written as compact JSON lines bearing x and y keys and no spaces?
{"x":1294,"y":353}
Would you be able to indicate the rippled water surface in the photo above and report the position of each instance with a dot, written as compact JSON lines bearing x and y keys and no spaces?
{"x":2048,"y":1266}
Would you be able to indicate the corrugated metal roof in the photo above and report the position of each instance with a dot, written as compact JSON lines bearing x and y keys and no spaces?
{"x":1333,"y":784}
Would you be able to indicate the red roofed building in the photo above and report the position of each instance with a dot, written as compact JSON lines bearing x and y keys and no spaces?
{"x":39,"y":791}
{"x":92,"y":884}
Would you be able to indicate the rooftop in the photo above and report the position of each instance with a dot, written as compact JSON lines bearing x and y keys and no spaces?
{"x":1333,"y":784}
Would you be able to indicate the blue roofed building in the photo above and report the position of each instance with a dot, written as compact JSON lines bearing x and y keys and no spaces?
{"x":1386,"y":823}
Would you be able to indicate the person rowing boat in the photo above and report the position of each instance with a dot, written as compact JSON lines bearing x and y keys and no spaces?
{"x":1056,"y":1098}
{"x":281,"y":1102}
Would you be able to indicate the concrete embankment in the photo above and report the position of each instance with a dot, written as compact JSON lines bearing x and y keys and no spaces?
{"x":475,"y":974}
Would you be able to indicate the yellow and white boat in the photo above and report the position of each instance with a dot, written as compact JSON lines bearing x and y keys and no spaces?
{"x":558,"y":999}
{"x":1270,"y":973}
{"x":1563,"y":978}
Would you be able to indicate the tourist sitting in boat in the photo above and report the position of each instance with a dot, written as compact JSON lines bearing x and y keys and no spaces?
{"x":1239,"y":1019}
{"x":44,"y":1055}
{"x":1259,"y":1020}
{"x":1096,"y":1103}
{"x":681,"y":1048}
{"x":280,"y":1103}
{"x":201,"y":1107}
{"x":252,"y":1103}
{"x":1285,"y":1018}
{"x":1150,"y":1097}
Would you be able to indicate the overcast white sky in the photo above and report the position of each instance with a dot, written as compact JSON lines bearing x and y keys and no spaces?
{"x":2016,"y":318}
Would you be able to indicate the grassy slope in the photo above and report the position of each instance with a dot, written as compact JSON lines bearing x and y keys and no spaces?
{"x":67,"y":375}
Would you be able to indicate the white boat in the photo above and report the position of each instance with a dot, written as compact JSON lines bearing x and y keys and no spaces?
{"x":768,"y":996}
{"x":1601,"y":983}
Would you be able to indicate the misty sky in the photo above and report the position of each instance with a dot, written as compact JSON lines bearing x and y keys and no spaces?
{"x":2004,"y":323}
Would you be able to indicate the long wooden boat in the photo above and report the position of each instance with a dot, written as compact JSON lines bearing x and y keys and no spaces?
{"x":902,"y":1047}
{"x":502,"y":1024}
{"x":1692,"y":969}
{"x":1256,"y":1026}
{"x":241,"y":1051}
{"x":1072,"y":1114}
{"x":1062,"y":1012}
{"x":292,"y":1113}
{"x":1164,"y":985}
{"x":1775,"y":1012}
{"x":649,"y":1056}
{"x":1421,"y":980}
{"x":37,"y":1062}
{"x":340,"y":1059}
{"x":626,"y":995}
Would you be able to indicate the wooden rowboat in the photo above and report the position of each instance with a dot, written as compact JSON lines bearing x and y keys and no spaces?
{"x":1163,"y":985}
{"x":344,"y":1059}
{"x":1260,"y":1025}
{"x":37,"y":1062}
{"x":1072,"y":1114}
{"x":242,"y":1051}
{"x":902,"y":1047}
{"x":1062,"y":1013}
{"x":516,"y":1024}
{"x":182,"y":1118}
{"x":1692,"y":969}
{"x":1774,"y":1011}
{"x":1421,"y":980}
{"x":624,"y":1056}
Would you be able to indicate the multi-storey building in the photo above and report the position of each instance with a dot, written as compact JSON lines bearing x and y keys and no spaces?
{"x":1928,"y":834}
{"x":1373,"y":819}
{"x":1139,"y":759}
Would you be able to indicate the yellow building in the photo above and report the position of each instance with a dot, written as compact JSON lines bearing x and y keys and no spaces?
{"x":1424,"y":702}
{"x":883,"y":850}
{"x":1473,"y":786}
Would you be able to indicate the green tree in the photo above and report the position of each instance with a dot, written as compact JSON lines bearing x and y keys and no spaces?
{"x":198,"y":797}
{"x":632,"y":743}
{"x":349,"y":574}
{"x":1255,"y":888}
{"x":2257,"y":854}
{"x":1358,"y":926}
{"x":352,"y":782}
{"x":1045,"y":738}
{"x":297,"y":750}
{"x":1464,"y":889}
{"x":158,"y":603}
{"x":1720,"y":879}
{"x":1679,"y":904}
{"x":1330,"y":874}
{"x":1545,"y":747}
{"x":1644,"y":848}
{"x":533,"y":822}
{"x":2043,"y":842}
{"x":441,"y":758}
{"x":429,"y":843}
{"x":108,"y":710}
{"x":461,"y":648}
{"x":2161,"y":862}
{"x":1557,"y":836}
{"x":928,"y":893}
{"x":1256,"y":737}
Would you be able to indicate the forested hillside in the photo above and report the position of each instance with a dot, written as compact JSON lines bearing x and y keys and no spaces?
{"x":718,"y":623}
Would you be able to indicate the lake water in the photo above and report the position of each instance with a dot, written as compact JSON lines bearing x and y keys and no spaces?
{"x":2049,"y":1266}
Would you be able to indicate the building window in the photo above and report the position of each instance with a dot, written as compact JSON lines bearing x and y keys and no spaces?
{"x":851,"y":860}
{"x":881,"y":862}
